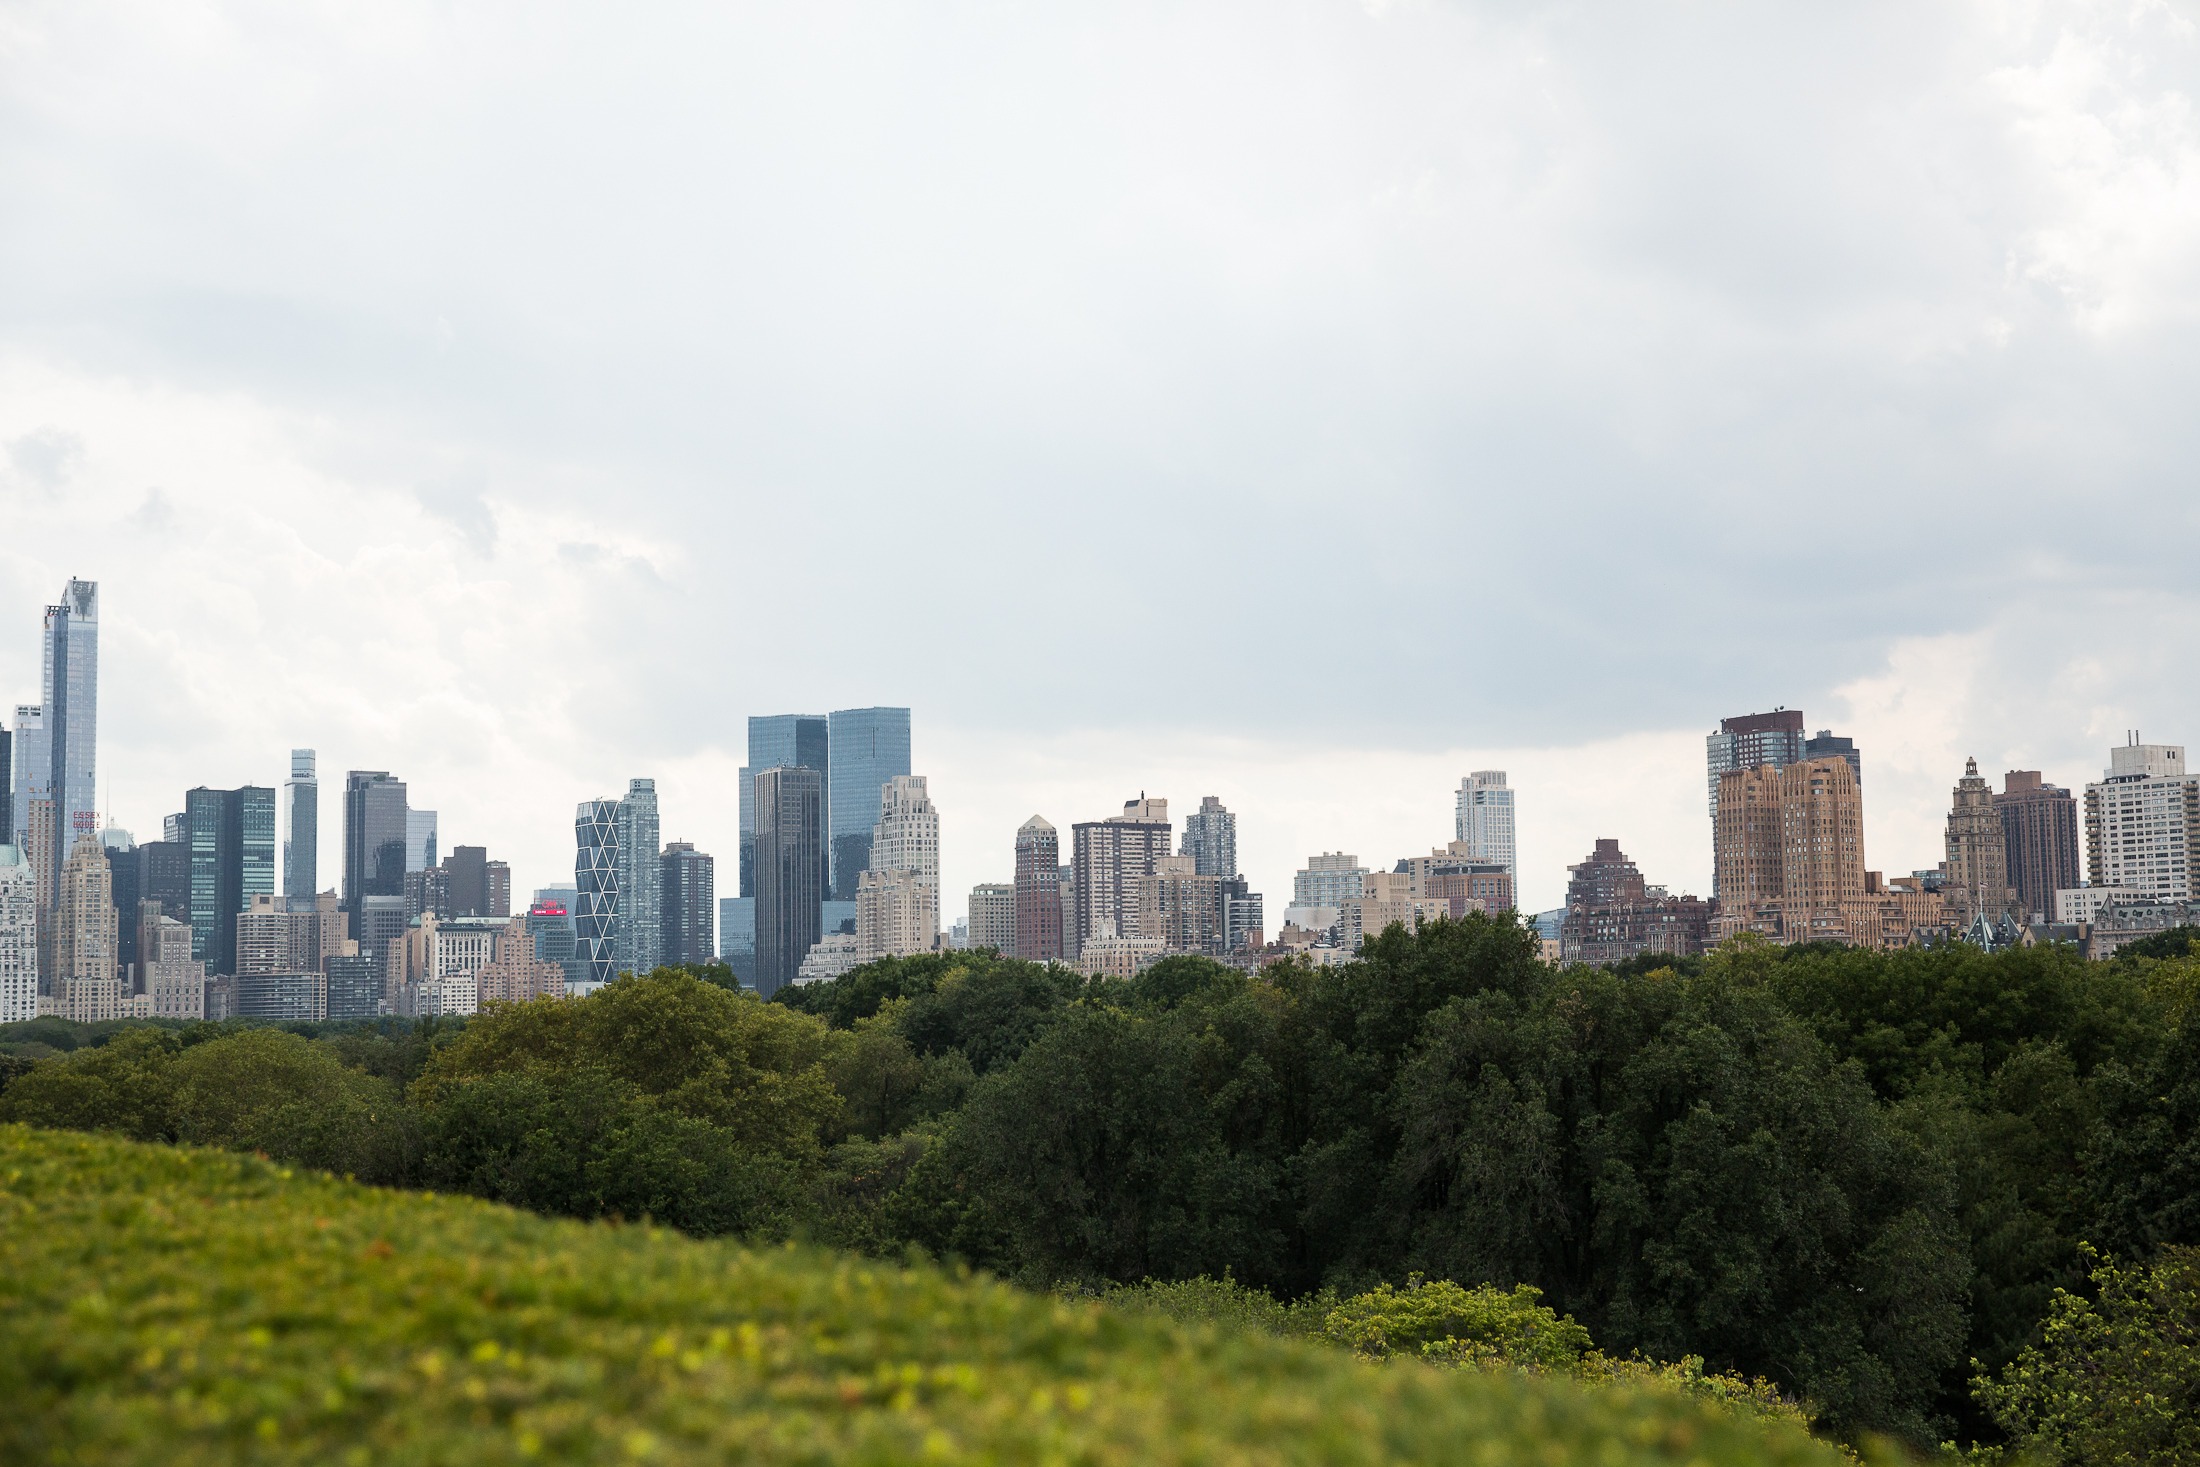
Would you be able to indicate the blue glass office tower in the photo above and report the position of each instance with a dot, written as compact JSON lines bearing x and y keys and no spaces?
{"x":796,"y":740}
{"x":866,"y":747}
{"x":232,"y":836}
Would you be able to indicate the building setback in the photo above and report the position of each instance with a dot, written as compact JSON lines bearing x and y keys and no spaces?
{"x":1613,"y":915}
{"x":790,"y":837}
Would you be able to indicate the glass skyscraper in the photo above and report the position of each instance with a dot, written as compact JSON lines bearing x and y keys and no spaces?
{"x":71,"y":686}
{"x":636,"y":936}
{"x":232,"y":838}
{"x":793,"y":739}
{"x":790,"y":828}
{"x":33,"y":767}
{"x":374,"y":857}
{"x":866,"y":747}
{"x":596,"y":906}
{"x":301,"y":832}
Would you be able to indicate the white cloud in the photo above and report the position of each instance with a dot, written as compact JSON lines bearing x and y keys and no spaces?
{"x":1301,"y":404}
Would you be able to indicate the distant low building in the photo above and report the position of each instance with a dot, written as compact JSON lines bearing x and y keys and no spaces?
{"x":1109,"y":954}
{"x":828,"y":958}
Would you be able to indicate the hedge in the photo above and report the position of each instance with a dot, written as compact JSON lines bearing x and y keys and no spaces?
{"x":177,"y":1306}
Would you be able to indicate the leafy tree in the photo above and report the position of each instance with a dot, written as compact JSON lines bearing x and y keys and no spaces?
{"x":755,"y":1069}
{"x":120,"y":1086}
{"x":2174,"y":942}
{"x":268,"y":1091}
{"x":1103,"y":1149}
{"x":2113,"y":1380}
{"x":1442,"y":1320}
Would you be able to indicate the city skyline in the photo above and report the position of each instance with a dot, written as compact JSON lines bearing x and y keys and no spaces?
{"x":969,"y":855}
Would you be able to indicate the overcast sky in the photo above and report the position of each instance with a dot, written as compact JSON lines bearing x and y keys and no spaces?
{"x":1301,"y":401}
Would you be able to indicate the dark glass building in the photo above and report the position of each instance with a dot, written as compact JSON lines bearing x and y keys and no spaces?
{"x":374,"y":850}
{"x":126,"y":877}
{"x":232,"y":840}
{"x":790,"y":831}
{"x":7,"y":787}
{"x":466,"y":881}
{"x":354,"y":987}
{"x":865,"y":747}
{"x":550,"y":924}
{"x":794,"y":739}
{"x":164,"y":876}
{"x":687,"y":905}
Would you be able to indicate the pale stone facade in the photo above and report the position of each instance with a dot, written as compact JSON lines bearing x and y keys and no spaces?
{"x":84,"y":984}
{"x":1109,"y":954}
{"x":897,"y":914}
{"x":993,"y":916}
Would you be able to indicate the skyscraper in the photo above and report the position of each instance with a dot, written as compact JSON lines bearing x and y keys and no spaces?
{"x":598,"y":908}
{"x":790,"y":839}
{"x":1977,"y":884}
{"x":1210,"y":839}
{"x":865,"y":747}
{"x":18,"y":938}
{"x":1039,"y":914}
{"x":1744,"y":742}
{"x":32,"y":768}
{"x":641,"y":908}
{"x":1111,"y":858}
{"x":374,"y":842}
{"x":7,"y":788}
{"x":898,"y":893}
{"x":2142,"y":822}
{"x":71,"y":688}
{"x":301,"y":830}
{"x":688,"y":906}
{"x":232,"y":835}
{"x":795,"y":739}
{"x":1790,"y":853}
{"x":1484,"y":819}
{"x":83,"y":982}
{"x":2039,"y":823}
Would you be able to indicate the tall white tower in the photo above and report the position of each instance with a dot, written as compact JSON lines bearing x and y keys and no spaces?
{"x":1485,"y":820}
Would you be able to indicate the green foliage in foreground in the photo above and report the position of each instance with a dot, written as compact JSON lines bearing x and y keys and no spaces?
{"x":182,"y":1307}
{"x":1441,"y":1323}
{"x":2116,"y":1379}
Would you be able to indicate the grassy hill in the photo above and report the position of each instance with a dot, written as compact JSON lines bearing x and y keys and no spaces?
{"x":176,"y":1306}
